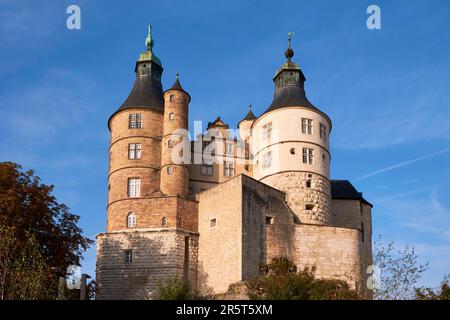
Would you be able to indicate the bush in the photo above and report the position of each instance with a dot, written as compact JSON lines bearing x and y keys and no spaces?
{"x":175,"y":289}
{"x":281,"y":281}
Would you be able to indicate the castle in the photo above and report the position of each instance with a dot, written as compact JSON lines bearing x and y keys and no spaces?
{"x":215,"y":209}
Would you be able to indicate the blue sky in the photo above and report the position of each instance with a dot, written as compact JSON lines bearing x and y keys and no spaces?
{"x":387,"y":92}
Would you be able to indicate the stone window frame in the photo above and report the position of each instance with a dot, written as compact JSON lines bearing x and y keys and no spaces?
{"x":267,"y":131}
{"x":135,"y":121}
{"x":308,"y":156}
{"x":307,"y":126}
{"x":207,"y":169}
{"x":267,"y":160}
{"x":134,"y":151}
{"x":134,"y":190}
{"x":131,"y":220}
{"x":323,"y":132}
{"x":128,"y":256}
{"x":228,"y":168}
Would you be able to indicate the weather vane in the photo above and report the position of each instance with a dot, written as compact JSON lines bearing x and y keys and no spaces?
{"x":290,"y":35}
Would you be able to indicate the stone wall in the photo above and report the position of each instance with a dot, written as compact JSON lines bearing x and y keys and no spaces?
{"x":158,"y":255}
{"x":298,"y":195}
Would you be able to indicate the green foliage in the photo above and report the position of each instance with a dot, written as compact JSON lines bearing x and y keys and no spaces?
{"x":441,"y":293}
{"x":175,"y":289}
{"x":38,"y":235}
{"x":400,"y":271}
{"x":281,"y":281}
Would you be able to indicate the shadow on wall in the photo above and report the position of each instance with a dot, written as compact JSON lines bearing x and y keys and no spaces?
{"x":130,"y":266}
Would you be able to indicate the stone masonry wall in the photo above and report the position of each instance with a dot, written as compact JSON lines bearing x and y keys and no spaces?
{"x":298,"y":195}
{"x":158,"y":255}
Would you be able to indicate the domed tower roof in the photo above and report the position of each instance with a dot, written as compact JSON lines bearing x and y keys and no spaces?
{"x":147,"y":88}
{"x":289,"y":84}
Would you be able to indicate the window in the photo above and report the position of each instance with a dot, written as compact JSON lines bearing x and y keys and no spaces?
{"x":171,"y":116}
{"x":228,"y":168}
{"x":170,"y":143}
{"x":172,"y":98}
{"x":362,"y":232}
{"x":134,"y":187}
{"x":212,"y":223}
{"x":229,"y":148}
{"x":170,"y":170}
{"x":323,"y":132}
{"x":308,"y":183}
{"x":267,"y":160}
{"x":292,"y":150}
{"x":164,"y":222}
{"x":267,"y":131}
{"x":309,"y":207}
{"x":323,"y":156}
{"x":308,"y":155}
{"x":307,"y":126}
{"x":128,"y":256}
{"x":269,"y":220}
{"x":207,"y":169}
{"x":131,"y":220}
{"x":135,"y":121}
{"x":180,"y":221}
{"x":134,"y":151}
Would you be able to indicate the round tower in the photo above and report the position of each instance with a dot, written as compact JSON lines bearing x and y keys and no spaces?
{"x":174,"y":170}
{"x":136,"y":129}
{"x":291,"y":147}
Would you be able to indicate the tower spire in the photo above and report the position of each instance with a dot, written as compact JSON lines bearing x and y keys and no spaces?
{"x":149,"y":40}
{"x":289,"y":53}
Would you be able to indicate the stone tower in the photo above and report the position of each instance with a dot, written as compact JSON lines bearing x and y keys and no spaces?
{"x":174,"y":171}
{"x":135,"y":146}
{"x":291,"y":158}
{"x":151,"y":231}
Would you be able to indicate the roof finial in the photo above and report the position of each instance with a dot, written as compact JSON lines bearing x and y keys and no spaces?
{"x":149,"y":40}
{"x":289,"y":52}
{"x":250,"y":107}
{"x":178,"y":76}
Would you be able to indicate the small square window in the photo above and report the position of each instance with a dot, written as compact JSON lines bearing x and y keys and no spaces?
{"x":171,"y":116}
{"x":212,"y":223}
{"x":309,"y":206}
{"x":269,"y":220}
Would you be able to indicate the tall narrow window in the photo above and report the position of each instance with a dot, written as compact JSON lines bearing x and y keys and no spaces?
{"x":228,"y":168}
{"x":323,"y":132}
{"x":128,"y":256}
{"x":308,"y":183}
{"x":180,"y":221}
{"x":134,"y":151}
{"x":170,"y":170}
{"x":362,"y":232}
{"x":135,"y":121}
{"x":267,"y":160}
{"x":172,"y":98}
{"x":267,"y":131}
{"x":307,"y":126}
{"x":207,"y":169}
{"x":229,"y":148}
{"x":134,"y":187}
{"x":164,"y":222}
{"x":131,"y":220}
{"x":308,"y":155}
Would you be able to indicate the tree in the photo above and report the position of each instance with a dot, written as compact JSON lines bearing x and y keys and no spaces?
{"x":282,"y":281}
{"x":175,"y":289}
{"x":440,"y":293}
{"x":38,"y":235}
{"x":399,"y":271}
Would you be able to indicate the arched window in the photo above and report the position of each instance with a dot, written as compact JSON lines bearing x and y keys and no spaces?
{"x":164,"y":222}
{"x":131,"y":220}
